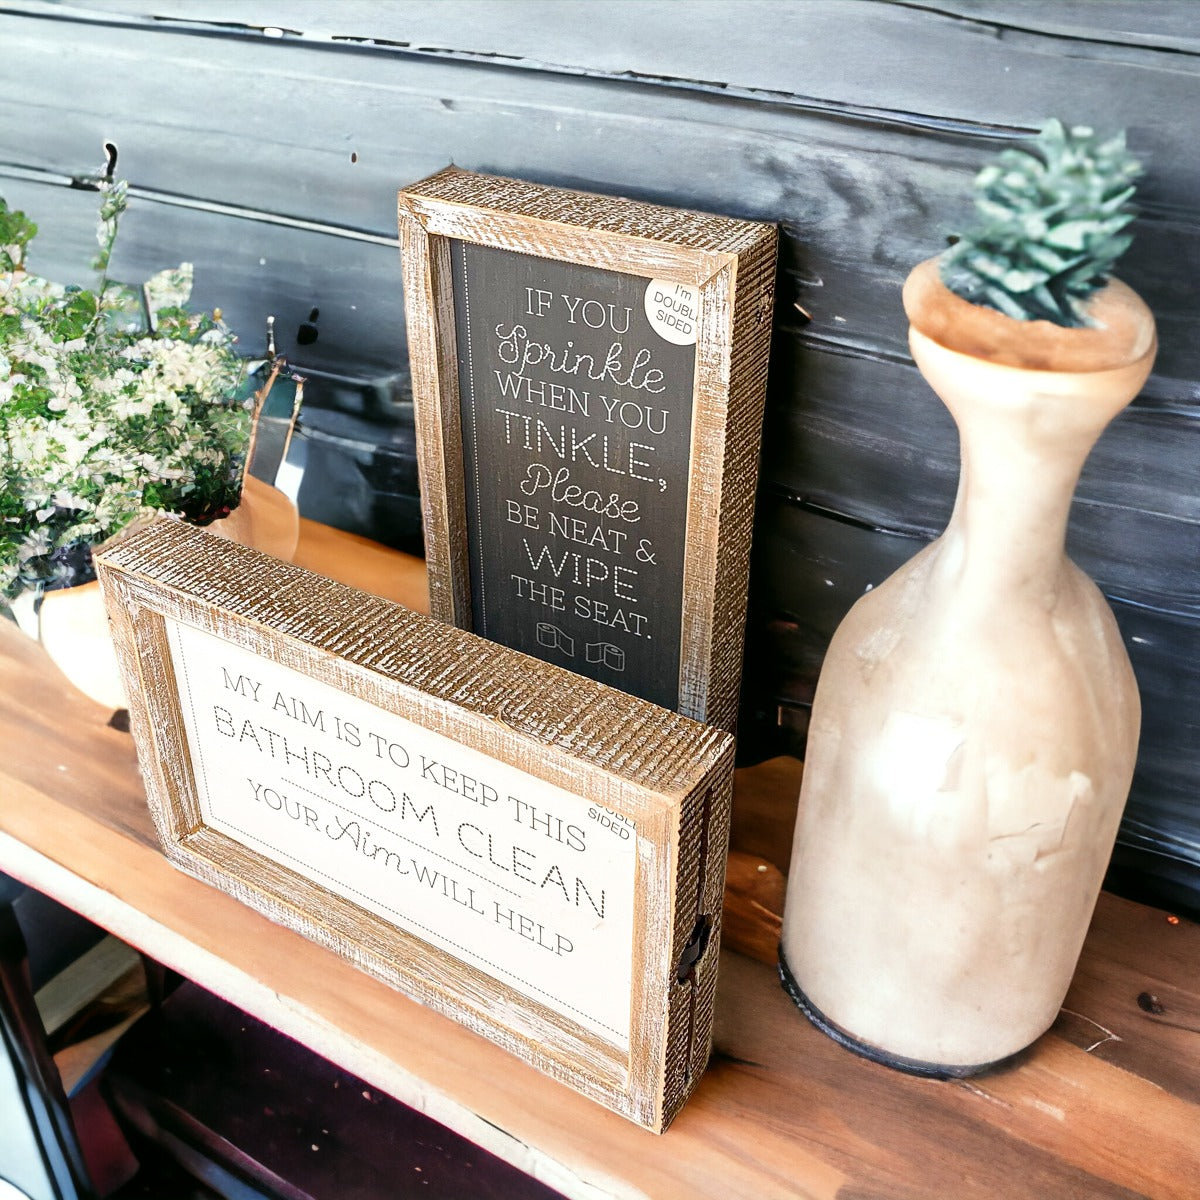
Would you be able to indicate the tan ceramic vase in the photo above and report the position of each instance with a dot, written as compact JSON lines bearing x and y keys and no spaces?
{"x":976,"y":721}
{"x":72,"y":625}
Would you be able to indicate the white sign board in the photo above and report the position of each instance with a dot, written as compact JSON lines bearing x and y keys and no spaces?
{"x":530,"y":852}
{"x":504,"y":871}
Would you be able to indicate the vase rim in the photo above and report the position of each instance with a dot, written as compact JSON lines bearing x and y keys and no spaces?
{"x":1043,"y":379}
{"x":1123,"y":338}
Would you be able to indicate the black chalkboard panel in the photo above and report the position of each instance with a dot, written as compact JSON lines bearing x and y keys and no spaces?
{"x":588,"y":380}
{"x":576,"y":424}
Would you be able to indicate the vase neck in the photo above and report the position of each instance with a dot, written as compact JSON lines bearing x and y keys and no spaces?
{"x":1024,"y":437}
{"x":1014,"y":499}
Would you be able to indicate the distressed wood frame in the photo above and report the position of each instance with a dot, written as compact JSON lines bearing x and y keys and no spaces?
{"x":732,"y":262}
{"x":670,"y":775}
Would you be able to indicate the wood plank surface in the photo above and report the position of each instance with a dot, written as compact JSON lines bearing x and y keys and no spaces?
{"x":661,"y":48}
{"x":362,"y":563}
{"x":860,"y":201}
{"x":782,"y":1111}
{"x":266,"y":143}
{"x":895,"y":465}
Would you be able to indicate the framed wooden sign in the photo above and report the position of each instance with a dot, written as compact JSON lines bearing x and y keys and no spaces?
{"x":589,"y":376}
{"x":539,"y":856}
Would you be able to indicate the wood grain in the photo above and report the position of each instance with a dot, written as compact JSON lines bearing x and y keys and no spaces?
{"x":731,"y":262}
{"x":283,"y":195}
{"x":363,"y":563}
{"x":659,"y":48}
{"x":753,"y":914}
{"x":828,"y":438}
{"x":669,"y":776}
{"x":860,"y":203}
{"x":781,"y":1112}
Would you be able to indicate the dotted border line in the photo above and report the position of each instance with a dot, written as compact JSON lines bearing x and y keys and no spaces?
{"x":343,"y":888}
{"x":194,"y":744}
{"x":462,"y":247}
{"x":472,"y":956}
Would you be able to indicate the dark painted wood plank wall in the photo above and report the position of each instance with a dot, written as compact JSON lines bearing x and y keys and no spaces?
{"x":265,"y":142}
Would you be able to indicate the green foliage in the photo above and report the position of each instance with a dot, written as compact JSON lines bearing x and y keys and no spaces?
{"x":102,"y":420}
{"x":1050,"y":222}
{"x":16,"y":232}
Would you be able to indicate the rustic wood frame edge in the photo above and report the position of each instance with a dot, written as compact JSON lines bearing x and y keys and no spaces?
{"x":732,"y":262}
{"x":170,"y":572}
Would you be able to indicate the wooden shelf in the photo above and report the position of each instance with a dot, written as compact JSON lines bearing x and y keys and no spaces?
{"x":1106,"y":1105}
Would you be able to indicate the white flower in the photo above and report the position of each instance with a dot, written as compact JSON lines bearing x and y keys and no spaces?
{"x":21,"y":288}
{"x":171,"y":288}
{"x":36,"y":543}
{"x":94,"y":413}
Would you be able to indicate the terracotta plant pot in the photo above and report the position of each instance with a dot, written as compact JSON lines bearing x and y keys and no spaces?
{"x":975,"y":725}
{"x":72,"y":625}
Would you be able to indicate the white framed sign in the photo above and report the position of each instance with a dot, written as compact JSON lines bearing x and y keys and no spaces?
{"x":538,"y":856}
{"x":495,"y":867}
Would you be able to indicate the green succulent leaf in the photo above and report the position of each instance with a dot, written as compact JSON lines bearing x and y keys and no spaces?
{"x":999,"y":299}
{"x":1049,"y":259}
{"x":1072,"y":235}
{"x":1050,"y":217}
{"x":1016,"y":281}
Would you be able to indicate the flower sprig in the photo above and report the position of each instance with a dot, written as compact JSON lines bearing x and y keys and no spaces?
{"x":102,"y":419}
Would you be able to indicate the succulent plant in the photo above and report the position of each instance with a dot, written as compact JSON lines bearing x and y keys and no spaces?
{"x":1050,"y":226}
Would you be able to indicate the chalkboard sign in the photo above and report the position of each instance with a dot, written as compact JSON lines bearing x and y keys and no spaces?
{"x":589,"y":377}
{"x":534,"y":854}
{"x":577,"y":421}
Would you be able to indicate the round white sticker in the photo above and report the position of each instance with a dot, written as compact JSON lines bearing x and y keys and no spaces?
{"x":673,"y":310}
